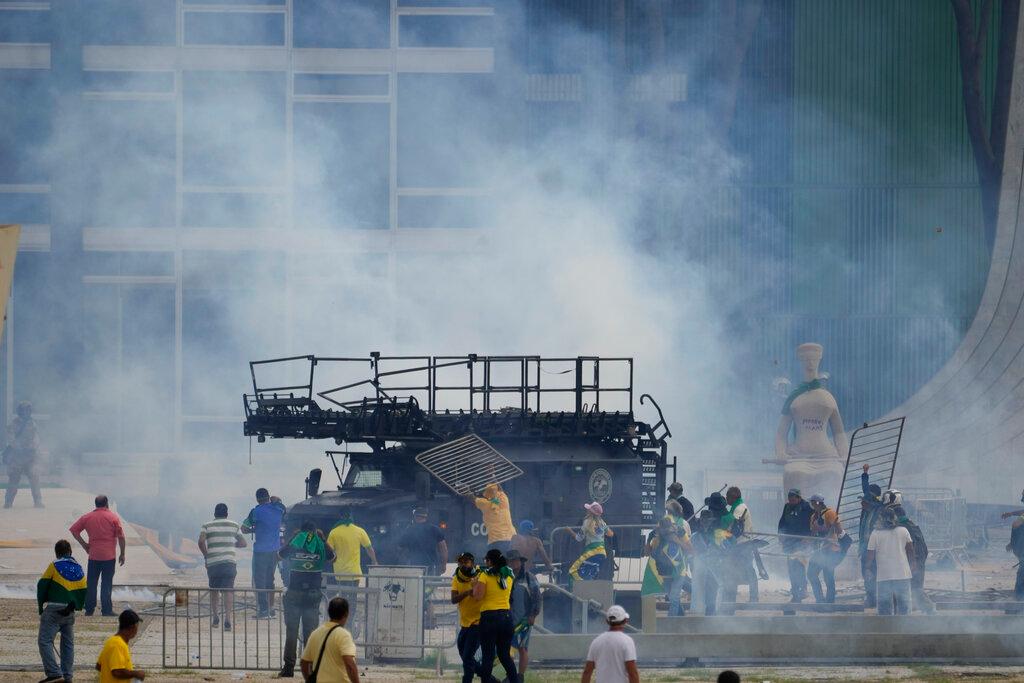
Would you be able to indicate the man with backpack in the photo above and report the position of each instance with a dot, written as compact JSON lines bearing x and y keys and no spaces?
{"x":835,"y":542}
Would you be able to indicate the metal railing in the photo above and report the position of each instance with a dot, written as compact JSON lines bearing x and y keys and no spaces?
{"x":391,"y":617}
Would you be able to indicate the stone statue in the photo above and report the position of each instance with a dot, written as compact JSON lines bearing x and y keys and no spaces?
{"x":812,"y":462}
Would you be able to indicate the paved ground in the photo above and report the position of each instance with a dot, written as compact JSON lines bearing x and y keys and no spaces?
{"x":377,"y":674}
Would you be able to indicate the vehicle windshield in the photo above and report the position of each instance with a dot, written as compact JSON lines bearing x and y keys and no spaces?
{"x":364,"y":478}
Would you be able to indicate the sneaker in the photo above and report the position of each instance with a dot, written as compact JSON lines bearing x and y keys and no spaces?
{"x":216,"y":622}
{"x":227,"y":625}
{"x":261,"y":615}
{"x":286,"y":673}
{"x":53,"y":679}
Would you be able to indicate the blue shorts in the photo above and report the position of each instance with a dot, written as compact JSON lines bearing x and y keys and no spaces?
{"x":521,"y":636}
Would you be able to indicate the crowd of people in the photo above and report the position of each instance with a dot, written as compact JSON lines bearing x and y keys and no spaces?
{"x":707,"y":553}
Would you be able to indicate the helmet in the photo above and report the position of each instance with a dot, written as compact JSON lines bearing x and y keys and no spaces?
{"x":892,"y":497}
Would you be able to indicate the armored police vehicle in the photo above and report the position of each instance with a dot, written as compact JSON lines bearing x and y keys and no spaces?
{"x":560,"y":432}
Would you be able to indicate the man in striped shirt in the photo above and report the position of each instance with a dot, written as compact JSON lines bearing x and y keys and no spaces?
{"x":217,"y":541}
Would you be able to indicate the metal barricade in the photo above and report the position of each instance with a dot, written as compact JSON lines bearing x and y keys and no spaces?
{"x":392,"y":617}
{"x":194,"y":637}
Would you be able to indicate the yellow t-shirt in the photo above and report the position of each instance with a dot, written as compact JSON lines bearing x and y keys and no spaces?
{"x":346,"y":540}
{"x":114,"y":655}
{"x":497,"y":515}
{"x":469,"y":607}
{"x":494,"y":597}
{"x":332,"y":666}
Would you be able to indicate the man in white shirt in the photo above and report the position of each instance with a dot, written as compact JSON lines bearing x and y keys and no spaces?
{"x":891,"y":550}
{"x":612,"y":654}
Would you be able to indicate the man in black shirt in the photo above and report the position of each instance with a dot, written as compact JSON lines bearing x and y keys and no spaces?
{"x":423,"y":544}
{"x":796,"y":521}
{"x":675,"y":492}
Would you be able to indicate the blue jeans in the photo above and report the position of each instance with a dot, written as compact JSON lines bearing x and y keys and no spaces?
{"x":99,"y":572}
{"x":52,"y":622}
{"x":675,"y":595}
{"x":301,"y":608}
{"x":263,"y":567}
{"x":893,"y":591}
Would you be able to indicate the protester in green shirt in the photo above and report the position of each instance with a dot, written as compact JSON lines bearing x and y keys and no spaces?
{"x":307,"y":555}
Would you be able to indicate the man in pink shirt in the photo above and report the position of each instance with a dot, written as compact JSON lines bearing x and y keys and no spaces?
{"x":103,"y":527}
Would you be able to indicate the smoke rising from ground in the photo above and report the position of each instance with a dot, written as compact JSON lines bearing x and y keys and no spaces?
{"x":593,"y":240}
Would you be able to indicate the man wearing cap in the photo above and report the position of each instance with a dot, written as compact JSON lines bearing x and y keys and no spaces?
{"x":468,"y":640}
{"x":796,"y":522}
{"x":675,"y":492}
{"x":217,"y":542}
{"x":423,"y":544}
{"x":527,"y":544}
{"x":612,"y":654}
{"x":891,"y":552}
{"x":494,"y":505}
{"x":525,"y":607}
{"x":264,"y":521}
{"x":115,"y":660}
{"x":870,"y":506}
{"x":825,"y":525}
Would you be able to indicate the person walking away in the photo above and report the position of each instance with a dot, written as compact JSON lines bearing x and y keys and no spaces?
{"x":59,"y":592}
{"x":835,"y":542}
{"x":307,"y":556}
{"x":675,"y":492}
{"x":870,"y":505}
{"x":115,"y":660}
{"x":493,"y":588}
{"x":22,"y":454}
{"x":592,"y":533}
{"x":218,"y":540}
{"x":106,"y":535}
{"x":891,"y":550}
{"x":1016,"y":546}
{"x":496,"y":510}
{"x":919,"y":598}
{"x":423,"y":544}
{"x":468,"y":640}
{"x":346,"y":540}
{"x":612,"y":655}
{"x":794,"y":524}
{"x":525,"y":606}
{"x":742,"y":527}
{"x":264,"y":521}
{"x":527,"y":544}
{"x":330,"y":652}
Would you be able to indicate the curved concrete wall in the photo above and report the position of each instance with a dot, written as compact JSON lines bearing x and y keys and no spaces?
{"x":965,"y":427}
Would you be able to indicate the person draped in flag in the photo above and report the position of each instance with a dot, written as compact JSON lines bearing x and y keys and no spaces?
{"x":667,"y":570}
{"x":60,"y":592}
{"x":307,"y":554}
{"x":591,"y":534}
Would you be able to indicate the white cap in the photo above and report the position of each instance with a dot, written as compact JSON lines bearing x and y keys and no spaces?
{"x":616,"y":614}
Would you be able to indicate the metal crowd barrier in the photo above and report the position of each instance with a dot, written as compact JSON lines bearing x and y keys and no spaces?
{"x":391,"y":618}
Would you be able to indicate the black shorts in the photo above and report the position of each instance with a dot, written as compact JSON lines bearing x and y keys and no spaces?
{"x":222,"y":575}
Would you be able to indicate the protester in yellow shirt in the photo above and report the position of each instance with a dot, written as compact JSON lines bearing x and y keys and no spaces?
{"x":345,"y":540}
{"x":497,"y":513}
{"x":115,"y":660}
{"x":493,"y":588}
{"x":468,"y":641}
{"x":330,"y":651}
